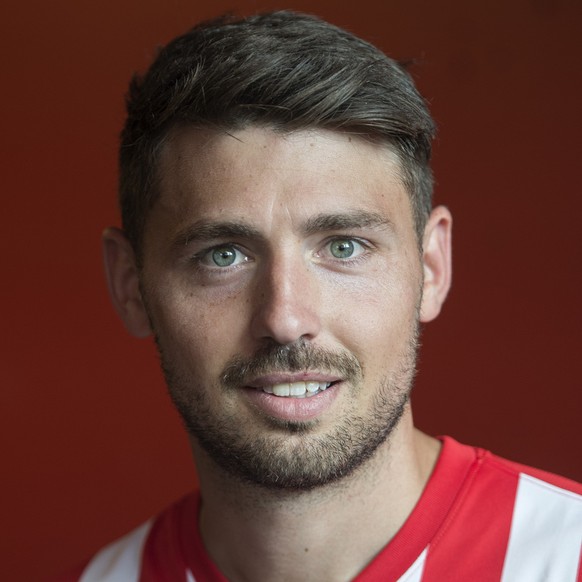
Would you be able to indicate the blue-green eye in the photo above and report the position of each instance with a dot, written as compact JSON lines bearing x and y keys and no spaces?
{"x":342,"y":248}
{"x":222,"y":257}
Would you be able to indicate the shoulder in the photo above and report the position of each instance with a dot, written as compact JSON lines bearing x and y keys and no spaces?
{"x":521,"y":470}
{"x":487,"y":465}
{"x":530,"y":519}
{"x":118,"y":561}
{"x":137,"y":555}
{"x":525,"y":491}
{"x":546,"y":523}
{"x":556,"y":498}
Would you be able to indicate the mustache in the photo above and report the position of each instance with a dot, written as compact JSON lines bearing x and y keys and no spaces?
{"x":300,"y":356}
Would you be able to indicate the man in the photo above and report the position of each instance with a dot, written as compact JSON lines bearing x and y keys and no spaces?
{"x":279,"y":243}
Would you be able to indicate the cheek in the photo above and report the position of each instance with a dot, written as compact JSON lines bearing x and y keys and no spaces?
{"x":376,"y":318}
{"x":199,"y":332}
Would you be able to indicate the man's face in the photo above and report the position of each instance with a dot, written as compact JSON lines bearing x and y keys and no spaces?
{"x":282,"y":279}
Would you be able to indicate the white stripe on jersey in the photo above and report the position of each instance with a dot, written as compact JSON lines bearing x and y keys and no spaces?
{"x":414,"y":573}
{"x":190,"y":577}
{"x":119,"y":561}
{"x":546,"y":534}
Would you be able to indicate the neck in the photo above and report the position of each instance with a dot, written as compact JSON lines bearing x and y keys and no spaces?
{"x":255,"y":534}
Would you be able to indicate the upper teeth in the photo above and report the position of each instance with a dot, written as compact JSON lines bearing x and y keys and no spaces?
{"x":297,"y":389}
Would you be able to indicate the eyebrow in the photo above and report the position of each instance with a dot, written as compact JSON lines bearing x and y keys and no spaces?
{"x":208,"y":231}
{"x":202,"y":231}
{"x":347,"y":220}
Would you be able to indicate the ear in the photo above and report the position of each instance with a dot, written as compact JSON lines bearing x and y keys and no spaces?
{"x":123,"y":282}
{"x":436,"y":260}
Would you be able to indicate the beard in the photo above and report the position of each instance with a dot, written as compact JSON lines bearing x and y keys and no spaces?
{"x":286,"y":456}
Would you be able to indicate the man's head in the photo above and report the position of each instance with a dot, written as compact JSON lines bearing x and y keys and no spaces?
{"x":285,"y":71}
{"x":275,"y":189}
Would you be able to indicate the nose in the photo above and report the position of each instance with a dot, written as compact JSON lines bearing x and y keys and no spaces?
{"x":286,"y":302}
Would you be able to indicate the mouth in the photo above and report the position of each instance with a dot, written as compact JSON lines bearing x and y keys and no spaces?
{"x":297,"y":397}
{"x":296,"y":389}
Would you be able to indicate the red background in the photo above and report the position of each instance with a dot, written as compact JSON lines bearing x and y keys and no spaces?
{"x":91,"y":444}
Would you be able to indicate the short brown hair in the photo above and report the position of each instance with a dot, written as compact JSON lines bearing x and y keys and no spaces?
{"x":282,"y":70}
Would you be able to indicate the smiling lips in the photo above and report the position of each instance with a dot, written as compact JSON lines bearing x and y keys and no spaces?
{"x":289,"y":397}
{"x":296,"y":389}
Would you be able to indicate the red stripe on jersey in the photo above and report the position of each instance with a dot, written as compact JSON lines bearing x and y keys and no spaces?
{"x":471,"y":544}
{"x":202,"y":567}
{"x":174,"y":546}
{"x":162,"y":559}
{"x":440,"y":495}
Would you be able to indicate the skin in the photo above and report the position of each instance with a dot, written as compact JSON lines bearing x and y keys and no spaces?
{"x":286,"y":286}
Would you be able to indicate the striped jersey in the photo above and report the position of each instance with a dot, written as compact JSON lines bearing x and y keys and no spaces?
{"x":480,"y":518}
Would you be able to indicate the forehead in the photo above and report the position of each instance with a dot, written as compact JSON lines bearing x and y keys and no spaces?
{"x":258,"y":173}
